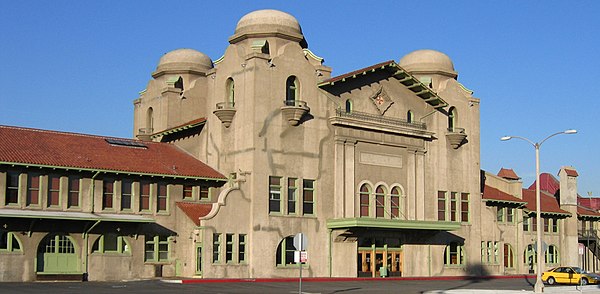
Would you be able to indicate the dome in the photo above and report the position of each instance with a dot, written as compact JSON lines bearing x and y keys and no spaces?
{"x":184,"y":59}
{"x":428,"y":61}
{"x":268,"y":21}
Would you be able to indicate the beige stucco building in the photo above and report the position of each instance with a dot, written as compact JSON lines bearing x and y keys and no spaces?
{"x":378,"y":168}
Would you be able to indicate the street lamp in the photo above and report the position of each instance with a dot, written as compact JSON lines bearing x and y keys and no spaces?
{"x":539,"y":285}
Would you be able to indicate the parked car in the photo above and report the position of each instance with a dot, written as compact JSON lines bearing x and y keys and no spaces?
{"x":569,"y":275}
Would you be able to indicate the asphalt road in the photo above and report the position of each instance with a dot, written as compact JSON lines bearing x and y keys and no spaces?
{"x":350,"y":287}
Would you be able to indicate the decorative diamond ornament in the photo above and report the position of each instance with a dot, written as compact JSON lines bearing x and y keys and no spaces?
{"x":381,"y":100}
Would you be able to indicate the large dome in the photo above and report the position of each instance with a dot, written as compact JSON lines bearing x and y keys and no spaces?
{"x":184,"y":59}
{"x":428,"y":61}
{"x":268,"y":21}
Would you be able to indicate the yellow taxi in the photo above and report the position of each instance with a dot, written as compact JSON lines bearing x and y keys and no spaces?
{"x":569,"y":275}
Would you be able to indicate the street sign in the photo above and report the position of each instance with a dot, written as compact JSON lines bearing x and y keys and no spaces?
{"x":300,"y":242}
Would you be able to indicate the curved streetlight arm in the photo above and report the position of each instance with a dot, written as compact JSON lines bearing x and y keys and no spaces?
{"x":563,"y":132}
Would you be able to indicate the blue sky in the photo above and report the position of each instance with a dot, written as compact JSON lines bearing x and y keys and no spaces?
{"x":78,"y":65}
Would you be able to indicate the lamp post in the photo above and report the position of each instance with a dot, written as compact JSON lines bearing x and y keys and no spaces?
{"x":539,"y":285}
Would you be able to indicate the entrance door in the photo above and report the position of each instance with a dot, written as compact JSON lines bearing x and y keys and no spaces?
{"x":198,"y":259}
{"x":372,"y":261}
{"x":57,"y":255}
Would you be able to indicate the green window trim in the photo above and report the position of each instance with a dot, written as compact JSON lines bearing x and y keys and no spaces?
{"x":509,"y":256}
{"x":9,"y":242}
{"x":34,"y":183}
{"x":111,"y":244}
{"x":308,"y":197}
{"x":73,"y":191}
{"x":217,"y":241}
{"x":229,"y":248}
{"x":12,"y":191}
{"x":54,"y":191}
{"x":162,"y":198}
{"x":157,"y":249}
{"x":454,"y":255}
{"x":275,"y":205}
{"x":108,"y":194}
{"x":284,"y":256}
{"x":127,"y":195}
{"x":242,"y":239}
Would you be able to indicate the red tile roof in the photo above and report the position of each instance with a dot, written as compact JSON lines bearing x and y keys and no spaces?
{"x":493,"y":194}
{"x":508,"y":174}
{"x":583,"y":211}
{"x":571,"y":172}
{"x":195,"y":210}
{"x":549,"y":203}
{"x":589,"y":202}
{"x":548,"y":183}
{"x":37,"y":147}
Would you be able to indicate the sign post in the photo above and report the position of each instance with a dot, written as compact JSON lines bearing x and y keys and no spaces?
{"x":300,"y":256}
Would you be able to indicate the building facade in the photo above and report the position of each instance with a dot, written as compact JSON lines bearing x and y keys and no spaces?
{"x":378,"y":168}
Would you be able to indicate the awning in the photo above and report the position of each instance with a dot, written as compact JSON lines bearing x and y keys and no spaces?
{"x":392,"y":224}
{"x":74,"y":215}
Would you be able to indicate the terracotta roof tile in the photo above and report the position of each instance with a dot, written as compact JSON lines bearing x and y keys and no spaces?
{"x":549,"y":203}
{"x":583,"y":211}
{"x":80,"y":151}
{"x":548,"y":183}
{"x":571,"y":172}
{"x":589,"y":202}
{"x":508,"y":174}
{"x":494,"y":194}
{"x":195,"y":210}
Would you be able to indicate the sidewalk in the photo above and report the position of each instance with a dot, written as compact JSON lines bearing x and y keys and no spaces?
{"x":554,"y":289}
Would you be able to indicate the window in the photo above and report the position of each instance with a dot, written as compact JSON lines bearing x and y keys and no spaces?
{"x":157,"y":248}
{"x":551,"y":256}
{"x":230,"y":92}
{"x":9,"y":242}
{"x":57,"y":244}
{"x":229,"y":248}
{"x":489,"y":252}
{"x":242,"y":248}
{"x":500,"y":214}
{"x":365,"y":193}
{"x":292,"y":195}
{"x":509,"y":258}
{"x":546,"y":222}
{"x":53,"y":190}
{"x":348,"y":105}
{"x":108,"y":193}
{"x":510,"y":214}
{"x":395,"y":203}
{"x":216,"y":247}
{"x":505,"y":214}
{"x":161,"y":197}
{"x":533,"y":223}
{"x":188,"y":191}
{"x":149,"y":121}
{"x":275,"y":194}
{"x":454,"y":254}
{"x":204,"y":193}
{"x":452,"y":119}
{"x":73,"y":191}
{"x":441,"y":201}
{"x":12,"y":188}
{"x":126,"y":186}
{"x":525,"y":223}
{"x":453,"y":206}
{"x":291,"y":86}
{"x":179,"y":84}
{"x":380,"y":202}
{"x":308,"y":197}
{"x":554,"y":228}
{"x":285,"y":252}
{"x":33,"y":189}
{"x":111,"y":243}
{"x":144,"y":196}
{"x":409,"y":116}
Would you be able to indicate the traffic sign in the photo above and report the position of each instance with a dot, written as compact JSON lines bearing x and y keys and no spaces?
{"x":300,"y":242}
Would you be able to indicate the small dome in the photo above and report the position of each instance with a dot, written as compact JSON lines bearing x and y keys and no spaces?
{"x":268,"y":21}
{"x":428,"y":61}
{"x":184,"y":59}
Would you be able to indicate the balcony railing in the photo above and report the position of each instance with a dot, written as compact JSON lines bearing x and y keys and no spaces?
{"x":226,"y":105}
{"x":380,"y":119}
{"x":295,"y":103}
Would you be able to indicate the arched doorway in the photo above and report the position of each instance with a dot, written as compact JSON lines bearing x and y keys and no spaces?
{"x":57,"y":254}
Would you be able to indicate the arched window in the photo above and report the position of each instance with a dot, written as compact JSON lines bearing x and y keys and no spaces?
{"x":551,"y":255}
{"x":285,"y":252}
{"x":292,"y":88}
{"x":452,"y":119}
{"x":111,"y":243}
{"x":454,"y":254}
{"x":179,"y":84}
{"x":409,"y":116}
{"x":348,"y":105}
{"x":9,"y":242}
{"x":395,"y":203}
{"x":230,"y":92}
{"x":149,"y":120}
{"x":365,"y":193}
{"x":509,"y":257}
{"x":380,"y":202}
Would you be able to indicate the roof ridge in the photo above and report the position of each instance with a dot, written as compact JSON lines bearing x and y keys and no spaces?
{"x":69,"y":133}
